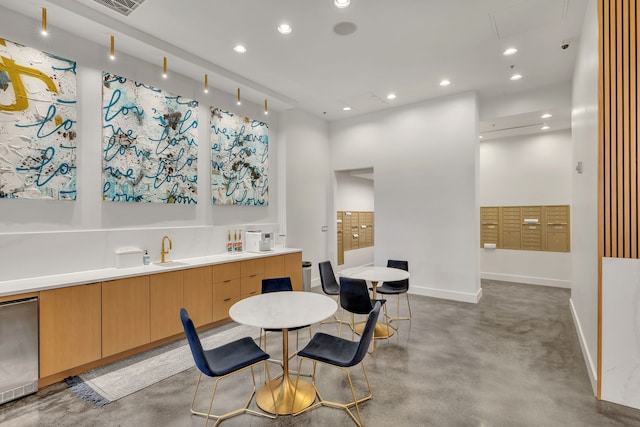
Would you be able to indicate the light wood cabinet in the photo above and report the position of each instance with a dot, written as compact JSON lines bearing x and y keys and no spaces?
{"x":198,"y":294}
{"x":274,"y":267}
{"x":293,"y":269}
{"x":226,"y":289}
{"x":70,"y":328}
{"x":165,"y":300}
{"x":251,"y":274}
{"x":125,"y":314}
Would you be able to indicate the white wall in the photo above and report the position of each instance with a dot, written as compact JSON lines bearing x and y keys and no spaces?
{"x":526,"y":170}
{"x":425,"y":159}
{"x":48,"y":237}
{"x":584,"y":212}
{"x":308,"y":178}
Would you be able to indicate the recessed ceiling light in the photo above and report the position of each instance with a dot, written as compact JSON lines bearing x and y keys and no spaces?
{"x":284,"y":29}
{"x":445,"y":82}
{"x":341,"y":4}
{"x":391,"y":96}
{"x":510,"y":51}
{"x":545,"y":127}
{"x":480,"y":137}
{"x":516,"y":77}
{"x":346,"y":108}
{"x":240,"y":49}
{"x":546,"y":116}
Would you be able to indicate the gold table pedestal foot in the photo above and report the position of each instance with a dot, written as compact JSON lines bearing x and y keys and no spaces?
{"x":288,"y":399}
{"x":380,"y":331}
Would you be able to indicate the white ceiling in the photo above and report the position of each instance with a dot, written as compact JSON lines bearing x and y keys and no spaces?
{"x":400,"y":46}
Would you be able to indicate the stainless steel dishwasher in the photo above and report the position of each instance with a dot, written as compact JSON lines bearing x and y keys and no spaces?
{"x":18,"y":348}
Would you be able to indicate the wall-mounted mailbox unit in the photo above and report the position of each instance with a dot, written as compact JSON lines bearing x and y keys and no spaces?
{"x":530,"y":228}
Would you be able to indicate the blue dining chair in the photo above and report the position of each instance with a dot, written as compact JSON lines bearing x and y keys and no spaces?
{"x":355,"y":298}
{"x":396,"y":288}
{"x":330,"y":286}
{"x":342,"y":354}
{"x":220,"y":363}
{"x":279,"y":284}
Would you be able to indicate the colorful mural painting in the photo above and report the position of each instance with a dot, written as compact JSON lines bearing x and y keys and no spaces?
{"x":239,"y":160}
{"x":150,"y":149}
{"x":37,"y":124}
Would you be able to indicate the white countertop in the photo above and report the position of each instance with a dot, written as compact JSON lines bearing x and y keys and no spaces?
{"x":34,"y":284}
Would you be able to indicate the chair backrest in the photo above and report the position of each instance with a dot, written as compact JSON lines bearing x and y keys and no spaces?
{"x":194,"y":343}
{"x":367,"y":334}
{"x":354,"y":296}
{"x":278,"y":284}
{"x":399,"y":284}
{"x":328,"y":279}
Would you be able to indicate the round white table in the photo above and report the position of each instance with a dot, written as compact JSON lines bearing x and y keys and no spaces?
{"x":284,"y":310}
{"x":376,"y":275}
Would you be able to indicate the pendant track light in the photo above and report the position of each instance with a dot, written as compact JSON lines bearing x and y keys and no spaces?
{"x":239,"y":102}
{"x":164,"y":68}
{"x":266,"y":107}
{"x":206,"y":83}
{"x":112,"y":50}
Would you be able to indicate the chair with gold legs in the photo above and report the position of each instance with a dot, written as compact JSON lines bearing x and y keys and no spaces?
{"x":222,"y":362}
{"x":279,"y":284}
{"x":355,"y":298}
{"x":342,"y":354}
{"x":329,"y":286}
{"x":397,"y":288}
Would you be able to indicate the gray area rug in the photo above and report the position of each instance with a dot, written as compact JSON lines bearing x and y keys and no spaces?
{"x":109,"y":383}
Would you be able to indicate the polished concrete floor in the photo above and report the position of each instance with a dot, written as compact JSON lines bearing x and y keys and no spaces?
{"x":511,"y":360}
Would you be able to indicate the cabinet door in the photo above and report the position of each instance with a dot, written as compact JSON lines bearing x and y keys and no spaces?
{"x":125,"y":314}
{"x":227,"y":271}
{"x":70,"y":328}
{"x":274,"y":267}
{"x":293,"y":269}
{"x":225,"y":294}
{"x":251,"y":285}
{"x":165,"y":291}
{"x":198,"y":294}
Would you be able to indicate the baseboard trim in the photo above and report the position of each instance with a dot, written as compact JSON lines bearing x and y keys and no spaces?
{"x":591,"y":369}
{"x":445,"y":294}
{"x":529,"y":280}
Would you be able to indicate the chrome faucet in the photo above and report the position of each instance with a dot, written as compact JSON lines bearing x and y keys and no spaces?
{"x":164,"y":252}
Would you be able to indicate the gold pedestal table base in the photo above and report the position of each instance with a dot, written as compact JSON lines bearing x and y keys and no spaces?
{"x":380,"y":331}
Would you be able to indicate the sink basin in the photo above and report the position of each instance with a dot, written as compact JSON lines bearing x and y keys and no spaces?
{"x":169,"y":263}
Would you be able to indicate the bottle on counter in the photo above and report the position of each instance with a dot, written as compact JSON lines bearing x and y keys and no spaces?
{"x":145,"y":258}
{"x":239,"y":240}
{"x":229,"y":243}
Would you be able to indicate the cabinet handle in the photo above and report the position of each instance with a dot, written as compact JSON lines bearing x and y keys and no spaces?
{"x":556,"y":223}
{"x":254,"y":292}
{"x":227,"y":299}
{"x":227,"y":281}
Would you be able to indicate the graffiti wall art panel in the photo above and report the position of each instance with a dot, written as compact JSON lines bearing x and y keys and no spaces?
{"x":37,"y":124}
{"x":149,"y":147}
{"x":239,"y":160}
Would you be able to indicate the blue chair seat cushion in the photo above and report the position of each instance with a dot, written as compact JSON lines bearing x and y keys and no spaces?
{"x":390,"y":290}
{"x":330,"y":349}
{"x":234,"y":356}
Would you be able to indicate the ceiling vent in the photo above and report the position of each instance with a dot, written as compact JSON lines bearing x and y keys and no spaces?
{"x":125,"y":7}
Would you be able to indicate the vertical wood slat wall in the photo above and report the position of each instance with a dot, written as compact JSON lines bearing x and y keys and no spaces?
{"x":618,"y":180}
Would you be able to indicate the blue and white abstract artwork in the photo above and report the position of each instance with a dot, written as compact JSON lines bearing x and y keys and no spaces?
{"x":149,"y":147}
{"x":239,"y":160}
{"x":37,"y":124}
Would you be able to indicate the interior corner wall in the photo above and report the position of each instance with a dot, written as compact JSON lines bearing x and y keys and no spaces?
{"x":524,"y":171}
{"x":43,"y":237}
{"x":424,"y":158}
{"x":584,"y":212}
{"x":308,"y":180}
